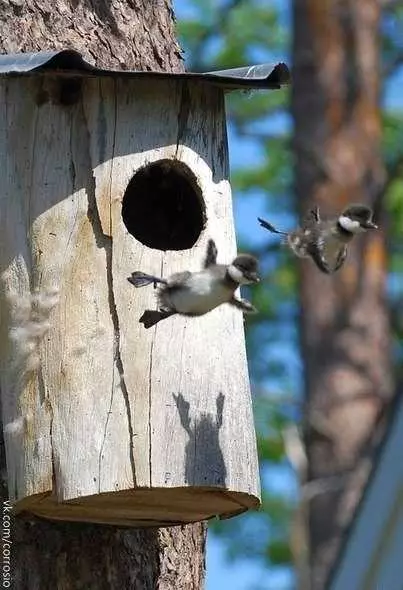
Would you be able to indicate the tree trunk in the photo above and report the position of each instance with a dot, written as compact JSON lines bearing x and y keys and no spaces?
{"x":344,"y":322}
{"x":71,"y":556}
{"x":123,"y":35}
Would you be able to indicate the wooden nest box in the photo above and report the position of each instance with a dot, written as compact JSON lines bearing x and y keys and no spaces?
{"x":104,"y":173}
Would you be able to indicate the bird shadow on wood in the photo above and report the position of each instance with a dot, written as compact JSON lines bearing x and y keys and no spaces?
{"x":204,"y":461}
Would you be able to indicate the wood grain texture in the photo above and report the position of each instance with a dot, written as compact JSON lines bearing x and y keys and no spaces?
{"x":79,"y":555}
{"x":112,"y":408}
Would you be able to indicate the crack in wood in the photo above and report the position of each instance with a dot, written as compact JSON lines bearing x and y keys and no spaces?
{"x":48,"y":404}
{"x":116,"y":345}
{"x":107,"y":245}
{"x":105,"y":242}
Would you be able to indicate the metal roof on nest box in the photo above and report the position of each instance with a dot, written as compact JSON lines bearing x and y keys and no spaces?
{"x":69,"y":61}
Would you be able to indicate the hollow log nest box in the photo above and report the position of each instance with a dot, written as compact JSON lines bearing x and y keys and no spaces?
{"x":103,"y":173}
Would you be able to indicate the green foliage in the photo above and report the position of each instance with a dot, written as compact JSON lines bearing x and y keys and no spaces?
{"x":392,"y":40}
{"x":394,"y":199}
{"x":230,"y":32}
{"x":279,"y":552}
{"x":393,"y":158}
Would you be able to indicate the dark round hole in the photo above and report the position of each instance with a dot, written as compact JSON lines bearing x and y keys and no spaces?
{"x":163,"y":206}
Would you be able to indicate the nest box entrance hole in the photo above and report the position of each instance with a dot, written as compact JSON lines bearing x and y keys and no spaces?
{"x":163,"y":206}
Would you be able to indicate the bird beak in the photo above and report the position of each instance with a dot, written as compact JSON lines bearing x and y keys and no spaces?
{"x":253,"y":276}
{"x":369,"y":225}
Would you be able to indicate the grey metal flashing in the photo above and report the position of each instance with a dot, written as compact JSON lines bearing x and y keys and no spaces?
{"x":71,"y":62}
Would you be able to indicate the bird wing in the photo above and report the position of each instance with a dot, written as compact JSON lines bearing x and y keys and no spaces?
{"x":341,"y":258}
{"x":327,"y":252}
{"x":311,"y":219}
{"x":178,"y":279}
{"x":318,"y":258}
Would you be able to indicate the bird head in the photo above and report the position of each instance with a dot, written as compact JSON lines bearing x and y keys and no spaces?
{"x":244,"y":269}
{"x":357,"y":219}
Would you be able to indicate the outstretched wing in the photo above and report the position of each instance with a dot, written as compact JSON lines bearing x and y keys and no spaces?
{"x":340,"y":259}
{"x":317,"y":252}
{"x":311,"y":219}
{"x":319,"y":260}
{"x":315,"y":214}
{"x":211,"y":254}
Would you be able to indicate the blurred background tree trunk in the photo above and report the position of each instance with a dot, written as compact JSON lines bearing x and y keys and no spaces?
{"x":137,"y":34}
{"x":345,"y":334}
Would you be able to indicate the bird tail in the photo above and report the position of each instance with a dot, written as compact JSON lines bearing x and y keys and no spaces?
{"x":141,"y":279}
{"x":271,"y":227}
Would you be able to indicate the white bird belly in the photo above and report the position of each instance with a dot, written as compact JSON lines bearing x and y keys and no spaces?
{"x":200,"y":294}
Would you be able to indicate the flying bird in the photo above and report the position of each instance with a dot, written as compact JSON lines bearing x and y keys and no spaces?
{"x":326,"y":240}
{"x":196,"y":293}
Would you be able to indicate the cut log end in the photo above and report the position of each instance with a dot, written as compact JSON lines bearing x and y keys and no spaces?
{"x":158,"y":507}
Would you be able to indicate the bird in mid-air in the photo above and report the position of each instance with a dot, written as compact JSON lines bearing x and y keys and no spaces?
{"x":325,"y":240}
{"x":196,"y":293}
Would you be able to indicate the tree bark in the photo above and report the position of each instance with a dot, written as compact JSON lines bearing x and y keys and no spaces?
{"x":71,"y":556}
{"x":122,"y":35}
{"x":345,"y":337}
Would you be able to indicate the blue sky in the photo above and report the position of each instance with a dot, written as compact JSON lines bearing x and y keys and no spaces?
{"x":248,"y":574}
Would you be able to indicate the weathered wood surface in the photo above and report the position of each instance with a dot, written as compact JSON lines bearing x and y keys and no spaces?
{"x":112,"y":407}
